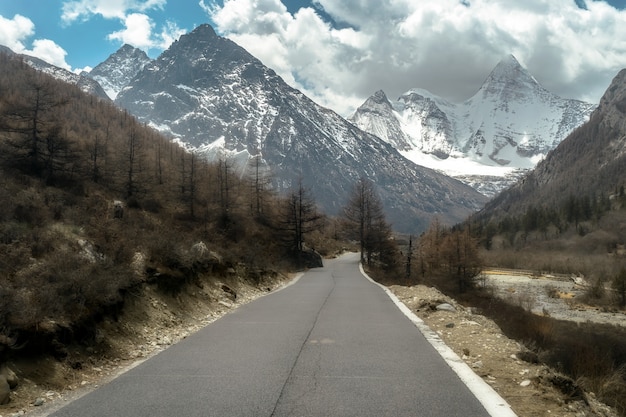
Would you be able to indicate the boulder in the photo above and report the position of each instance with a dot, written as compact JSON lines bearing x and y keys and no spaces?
{"x":9,"y":376}
{"x":5,"y":391}
{"x":118,"y":209}
{"x":446,"y":307}
{"x":232,"y":294}
{"x":309,"y":258}
{"x":202,"y":258}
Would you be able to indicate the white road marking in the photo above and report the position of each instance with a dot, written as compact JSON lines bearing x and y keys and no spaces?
{"x":495,"y":405}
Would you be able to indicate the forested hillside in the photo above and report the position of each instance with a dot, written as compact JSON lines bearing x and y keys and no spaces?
{"x":94,"y":204}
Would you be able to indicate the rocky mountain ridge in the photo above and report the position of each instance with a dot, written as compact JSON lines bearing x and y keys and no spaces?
{"x":85,"y":83}
{"x":215,"y":97}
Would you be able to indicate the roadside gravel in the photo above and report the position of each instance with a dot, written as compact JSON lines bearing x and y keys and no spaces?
{"x":532,"y":390}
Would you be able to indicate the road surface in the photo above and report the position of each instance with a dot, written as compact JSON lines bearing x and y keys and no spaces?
{"x":332,"y":344}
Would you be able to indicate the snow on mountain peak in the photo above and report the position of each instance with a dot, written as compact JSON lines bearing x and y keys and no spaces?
{"x":119,"y":69}
{"x":509,"y":124}
{"x":510,"y":77}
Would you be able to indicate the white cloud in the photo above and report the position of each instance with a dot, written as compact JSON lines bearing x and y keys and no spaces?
{"x":109,"y":9}
{"x":50,"y":52}
{"x":15,"y":33}
{"x":446,"y":46}
{"x":137,"y":31}
{"x":170,"y":33}
{"x":81,"y":70}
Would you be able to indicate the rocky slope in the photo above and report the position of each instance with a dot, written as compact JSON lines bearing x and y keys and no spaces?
{"x":85,"y":83}
{"x":509,"y":124}
{"x":211,"y":94}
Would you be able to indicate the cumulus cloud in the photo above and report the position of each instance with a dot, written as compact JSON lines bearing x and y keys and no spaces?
{"x":169,"y":33}
{"x":340,"y":52}
{"x":50,"y":52}
{"x":138,"y":30}
{"x":15,"y":33}
{"x":109,"y":9}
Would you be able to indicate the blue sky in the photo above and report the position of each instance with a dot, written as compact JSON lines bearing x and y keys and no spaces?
{"x":86,"y":38}
{"x":341,"y":52}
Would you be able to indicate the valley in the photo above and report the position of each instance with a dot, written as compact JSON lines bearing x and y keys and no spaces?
{"x":204,"y":143}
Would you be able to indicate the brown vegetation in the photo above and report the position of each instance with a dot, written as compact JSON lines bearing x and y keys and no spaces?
{"x":94,"y":203}
{"x":363,"y":221}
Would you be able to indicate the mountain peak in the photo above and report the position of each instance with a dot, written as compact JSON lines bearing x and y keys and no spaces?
{"x":126,"y":48}
{"x":616,"y":93}
{"x":379,"y":97}
{"x":508,"y":81}
{"x":509,"y":124}
{"x":198,"y":38}
{"x":204,"y":30}
{"x":119,"y":68}
{"x":508,"y":71}
{"x":510,"y":61}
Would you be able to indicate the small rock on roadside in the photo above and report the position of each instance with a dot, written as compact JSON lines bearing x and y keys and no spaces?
{"x":9,"y":375}
{"x":5,"y":391}
{"x":445,"y":307}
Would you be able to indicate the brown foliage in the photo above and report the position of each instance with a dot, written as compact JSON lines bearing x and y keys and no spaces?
{"x":448,"y":258}
{"x":65,"y":258}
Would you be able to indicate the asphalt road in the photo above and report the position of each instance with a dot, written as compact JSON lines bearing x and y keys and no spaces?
{"x":332,"y":344}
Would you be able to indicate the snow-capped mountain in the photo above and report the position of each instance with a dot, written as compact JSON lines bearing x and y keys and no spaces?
{"x":215,"y":97}
{"x":588,"y":164}
{"x":83,"y":82}
{"x":505,"y":128}
{"x":119,"y":68}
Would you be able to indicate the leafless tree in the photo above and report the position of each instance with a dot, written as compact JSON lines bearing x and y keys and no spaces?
{"x":299,"y":217}
{"x":365,"y":220}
